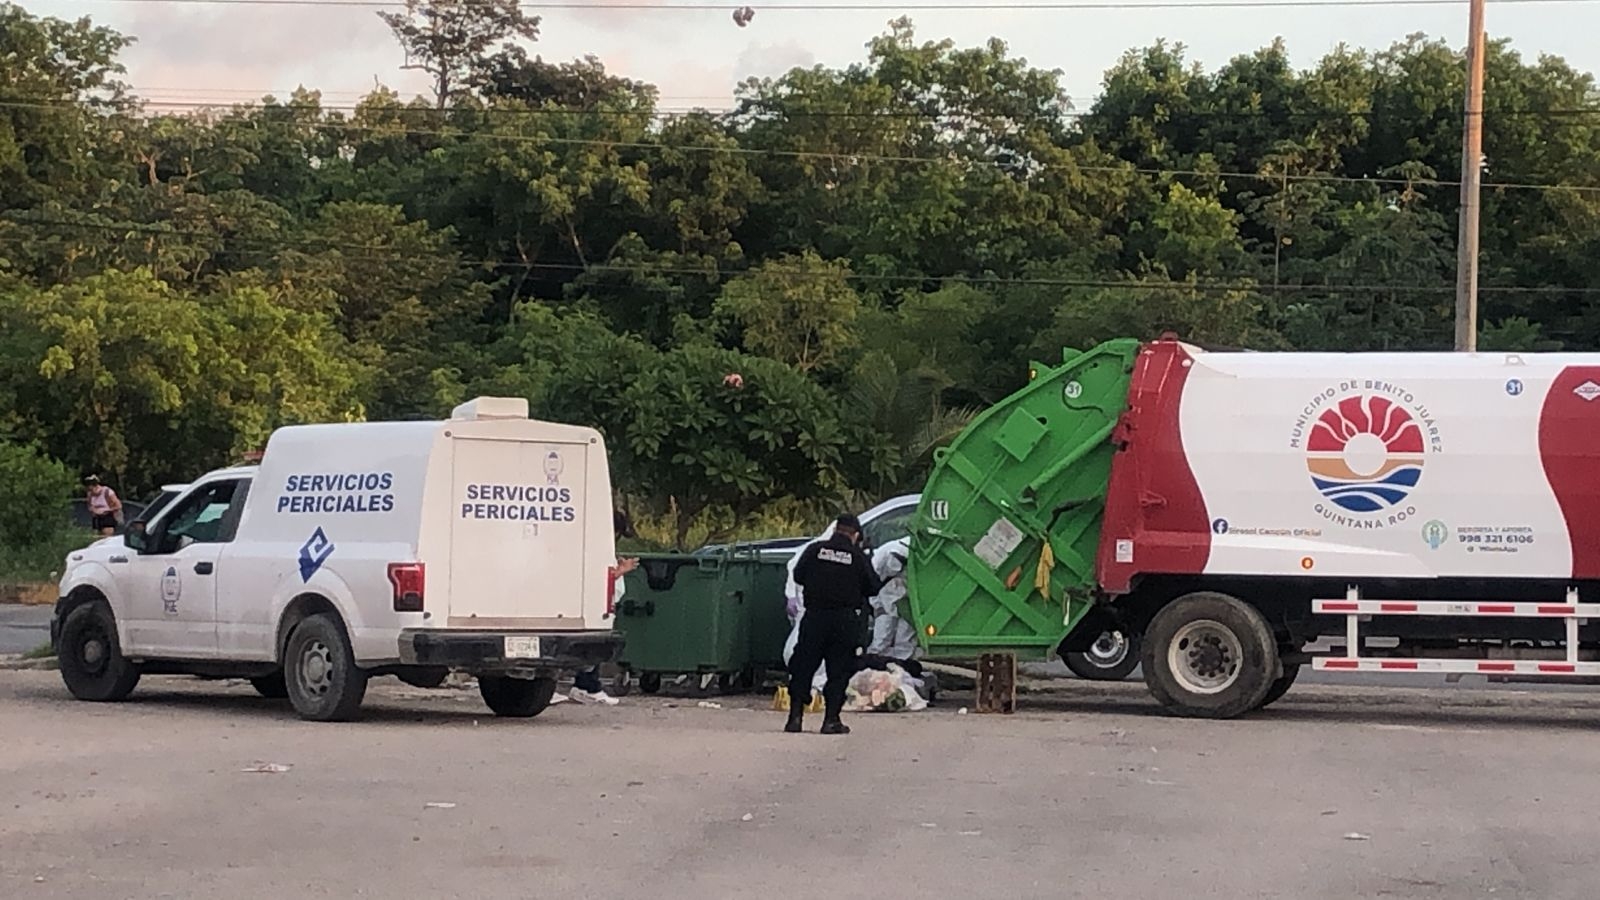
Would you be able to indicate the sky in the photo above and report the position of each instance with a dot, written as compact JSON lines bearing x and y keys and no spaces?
{"x":205,"y":52}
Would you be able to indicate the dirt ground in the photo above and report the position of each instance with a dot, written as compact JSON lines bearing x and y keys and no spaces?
{"x":1088,"y":791}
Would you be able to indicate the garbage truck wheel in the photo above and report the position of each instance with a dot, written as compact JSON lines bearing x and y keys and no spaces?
{"x":1281,"y":686}
{"x":1112,"y":657}
{"x":1208,"y":655}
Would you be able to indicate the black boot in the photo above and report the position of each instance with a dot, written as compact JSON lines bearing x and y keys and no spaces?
{"x":797,"y":716}
{"x":834,"y":726}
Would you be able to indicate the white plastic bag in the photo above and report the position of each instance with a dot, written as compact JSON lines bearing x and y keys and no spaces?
{"x":891,"y":690}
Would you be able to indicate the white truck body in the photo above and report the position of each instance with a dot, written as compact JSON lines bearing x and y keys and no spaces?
{"x":1407,"y":465}
{"x":481,"y":542}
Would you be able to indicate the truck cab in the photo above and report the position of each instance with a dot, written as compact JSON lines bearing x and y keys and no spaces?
{"x":356,"y":550}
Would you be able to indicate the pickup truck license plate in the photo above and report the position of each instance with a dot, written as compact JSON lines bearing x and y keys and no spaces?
{"x":522,"y":647}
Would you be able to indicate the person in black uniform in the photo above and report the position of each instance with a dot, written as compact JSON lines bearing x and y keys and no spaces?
{"x":836,"y":580}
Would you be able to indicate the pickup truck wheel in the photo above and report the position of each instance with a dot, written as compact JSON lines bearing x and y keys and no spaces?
{"x":1209,"y":655}
{"x":325,"y":684}
{"x":272,"y":687}
{"x":1281,"y":686}
{"x":1112,"y":657}
{"x":91,"y":660}
{"x":516,"y":698}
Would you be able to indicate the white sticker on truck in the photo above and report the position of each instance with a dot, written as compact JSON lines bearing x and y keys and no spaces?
{"x":1002,"y":538}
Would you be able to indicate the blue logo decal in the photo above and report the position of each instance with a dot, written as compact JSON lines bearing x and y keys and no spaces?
{"x":1220,"y":526}
{"x":1514,"y":387}
{"x":313,"y":553}
{"x":553,"y":464}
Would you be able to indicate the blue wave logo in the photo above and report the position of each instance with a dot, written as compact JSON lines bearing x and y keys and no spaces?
{"x":1366,"y":495}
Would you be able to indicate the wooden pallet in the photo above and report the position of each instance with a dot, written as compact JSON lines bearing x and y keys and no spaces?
{"x":997,"y":683}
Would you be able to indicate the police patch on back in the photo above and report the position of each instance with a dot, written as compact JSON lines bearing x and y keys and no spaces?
{"x":828,"y":554}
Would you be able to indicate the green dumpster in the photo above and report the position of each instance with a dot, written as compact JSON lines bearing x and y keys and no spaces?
{"x":718,"y":615}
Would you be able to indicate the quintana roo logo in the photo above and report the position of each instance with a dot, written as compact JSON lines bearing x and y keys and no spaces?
{"x":1365,"y":454}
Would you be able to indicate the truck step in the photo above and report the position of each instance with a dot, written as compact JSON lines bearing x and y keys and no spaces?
{"x":1549,"y":668}
{"x":1356,"y":608}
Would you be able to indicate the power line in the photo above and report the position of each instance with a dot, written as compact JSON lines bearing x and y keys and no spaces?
{"x":382,"y":254}
{"x":884,"y":7}
{"x":853,"y":158}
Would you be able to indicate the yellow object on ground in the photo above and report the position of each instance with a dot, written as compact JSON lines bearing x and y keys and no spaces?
{"x":780,"y":700}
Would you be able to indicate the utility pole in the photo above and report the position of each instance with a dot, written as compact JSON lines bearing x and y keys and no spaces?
{"x":1471,"y":182}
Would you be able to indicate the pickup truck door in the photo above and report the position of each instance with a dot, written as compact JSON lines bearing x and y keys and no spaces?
{"x":172,"y":582}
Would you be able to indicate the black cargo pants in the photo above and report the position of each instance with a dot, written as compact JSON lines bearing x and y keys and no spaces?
{"x":828,"y":636}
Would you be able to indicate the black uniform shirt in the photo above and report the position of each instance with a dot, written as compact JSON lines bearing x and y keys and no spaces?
{"x":835,"y":574}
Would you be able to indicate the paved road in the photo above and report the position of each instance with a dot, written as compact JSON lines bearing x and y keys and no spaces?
{"x":23,"y":628}
{"x":1089,"y":792}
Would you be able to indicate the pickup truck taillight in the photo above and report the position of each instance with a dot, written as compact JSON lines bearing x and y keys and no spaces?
{"x":406,"y":578}
{"x":611,"y":591}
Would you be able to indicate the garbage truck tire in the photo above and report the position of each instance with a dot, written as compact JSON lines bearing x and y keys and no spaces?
{"x":1281,"y":686}
{"x":1112,"y":657}
{"x":1208,"y":655}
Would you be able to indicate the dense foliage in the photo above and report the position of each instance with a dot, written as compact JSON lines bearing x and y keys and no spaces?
{"x":871,"y":251}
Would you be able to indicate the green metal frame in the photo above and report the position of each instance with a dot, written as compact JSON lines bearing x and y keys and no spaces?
{"x":1040,"y":460}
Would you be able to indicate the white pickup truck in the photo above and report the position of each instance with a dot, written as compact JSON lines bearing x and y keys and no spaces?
{"x":483,"y":543}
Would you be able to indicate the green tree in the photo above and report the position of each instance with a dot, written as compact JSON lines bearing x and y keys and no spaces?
{"x":799,"y":310}
{"x":451,"y":40}
{"x":33,"y":490}
{"x":63,"y":104}
{"x":123,"y":373}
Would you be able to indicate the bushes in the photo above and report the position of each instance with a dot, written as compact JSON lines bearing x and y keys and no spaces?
{"x":35,"y":533}
{"x":33,"y":491}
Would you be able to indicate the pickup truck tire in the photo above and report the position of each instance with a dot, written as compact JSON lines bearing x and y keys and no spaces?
{"x":1208,"y":655}
{"x":91,"y":660}
{"x":516,"y":698}
{"x":1281,"y":686}
{"x":325,"y":684}
{"x":272,"y":687}
{"x":1113,"y":657}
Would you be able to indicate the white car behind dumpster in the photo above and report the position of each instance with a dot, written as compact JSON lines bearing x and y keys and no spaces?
{"x":355,"y":550}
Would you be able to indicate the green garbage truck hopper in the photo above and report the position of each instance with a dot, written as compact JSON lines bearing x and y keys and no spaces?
{"x":1029,"y":473}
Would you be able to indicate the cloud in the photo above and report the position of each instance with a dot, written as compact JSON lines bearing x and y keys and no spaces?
{"x":772,"y":60}
{"x":244,"y":49}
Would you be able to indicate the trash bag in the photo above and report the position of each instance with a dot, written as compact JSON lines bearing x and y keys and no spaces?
{"x":885,"y":690}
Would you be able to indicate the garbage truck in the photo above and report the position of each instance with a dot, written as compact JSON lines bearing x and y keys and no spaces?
{"x":1406,"y":512}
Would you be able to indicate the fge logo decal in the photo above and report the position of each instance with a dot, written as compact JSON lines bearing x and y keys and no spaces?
{"x":313,"y":553}
{"x":1435,"y":533}
{"x":171,"y":591}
